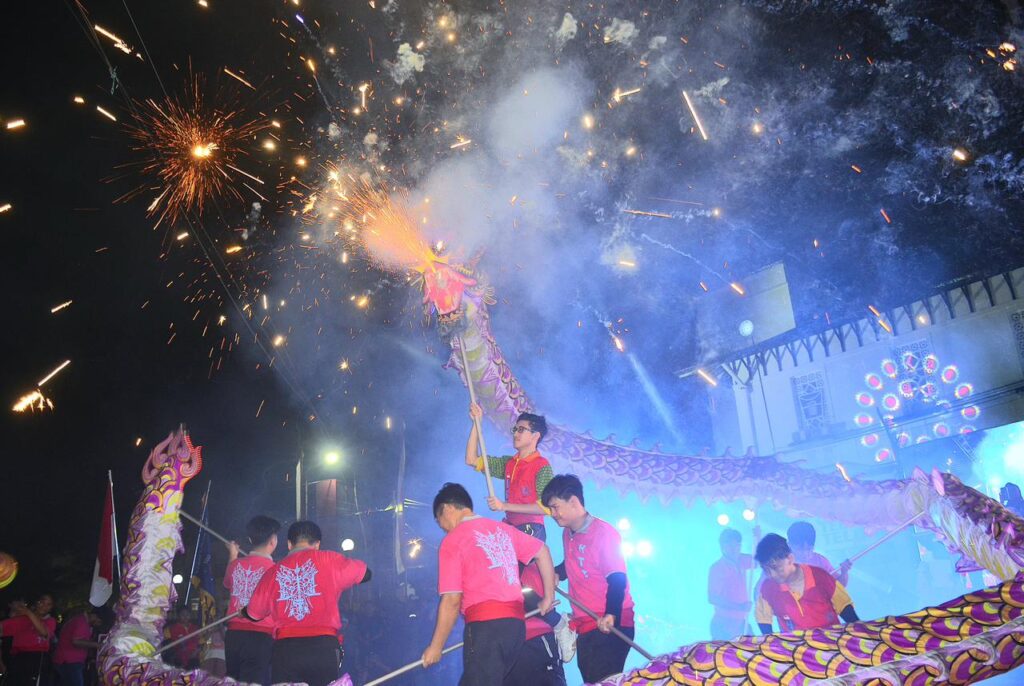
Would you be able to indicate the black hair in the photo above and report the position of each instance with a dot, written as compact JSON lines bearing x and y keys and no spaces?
{"x":452,"y":494}
{"x":771,"y":548}
{"x":304,"y":531}
{"x":260,"y":528}
{"x":563,"y":487}
{"x":802,"y":534}
{"x":729,"y":535}
{"x":537,"y":423}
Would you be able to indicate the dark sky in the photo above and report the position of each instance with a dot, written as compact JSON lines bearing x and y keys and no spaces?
{"x":795,"y":95}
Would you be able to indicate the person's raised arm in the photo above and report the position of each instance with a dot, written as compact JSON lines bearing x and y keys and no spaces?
{"x":37,"y":623}
{"x":546,"y":567}
{"x":447,"y":615}
{"x":473,"y":455}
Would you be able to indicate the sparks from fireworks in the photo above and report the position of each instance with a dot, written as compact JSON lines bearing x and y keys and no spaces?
{"x":696,"y":118}
{"x":58,"y":308}
{"x":35,"y":400}
{"x":389,"y":231}
{"x":190,"y":149}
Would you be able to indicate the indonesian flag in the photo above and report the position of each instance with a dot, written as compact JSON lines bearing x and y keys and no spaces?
{"x":103,"y":575}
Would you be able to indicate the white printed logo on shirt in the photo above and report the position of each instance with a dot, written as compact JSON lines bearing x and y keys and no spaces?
{"x":298,"y":585}
{"x":497,"y":545}
{"x":244,"y":582}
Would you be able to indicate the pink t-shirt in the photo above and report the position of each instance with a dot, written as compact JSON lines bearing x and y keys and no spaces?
{"x":241,"y":578}
{"x":76,"y":628}
{"x":591,"y":554}
{"x":25,"y":638}
{"x":300,"y":594}
{"x":480,"y":559}
{"x":727,"y":579}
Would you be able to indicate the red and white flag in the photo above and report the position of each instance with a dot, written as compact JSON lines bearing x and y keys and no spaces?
{"x":103,"y":575}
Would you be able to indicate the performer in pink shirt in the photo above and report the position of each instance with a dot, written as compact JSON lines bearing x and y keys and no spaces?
{"x":478,"y":575}
{"x":73,"y":644}
{"x":300,"y":594}
{"x":248,"y":645}
{"x":727,"y":588}
{"x":32,"y":630}
{"x":596,"y":571}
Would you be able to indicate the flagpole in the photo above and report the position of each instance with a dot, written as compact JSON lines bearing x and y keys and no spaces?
{"x":113,"y":525}
{"x":195,"y":555}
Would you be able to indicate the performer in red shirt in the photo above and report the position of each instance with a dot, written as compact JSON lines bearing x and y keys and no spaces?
{"x":32,"y":631}
{"x":478,"y":574}
{"x":525,"y":475}
{"x":596,"y":572}
{"x":300,"y":594}
{"x":248,"y":645}
{"x":799,"y":596}
{"x":727,"y":588}
{"x":73,"y":644}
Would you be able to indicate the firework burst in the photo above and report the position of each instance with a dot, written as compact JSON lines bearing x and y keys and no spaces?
{"x":388,"y":230}
{"x":192,"y":151}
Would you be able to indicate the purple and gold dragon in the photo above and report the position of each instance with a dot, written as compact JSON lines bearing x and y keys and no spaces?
{"x":963,"y":641}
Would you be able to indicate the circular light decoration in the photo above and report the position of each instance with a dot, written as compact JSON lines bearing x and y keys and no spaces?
{"x":967,"y":429}
{"x":912,"y":383}
{"x":723,"y":519}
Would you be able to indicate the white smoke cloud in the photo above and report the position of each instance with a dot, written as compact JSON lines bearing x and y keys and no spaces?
{"x":621,"y":31}
{"x":566,"y":32}
{"x":657,"y":43}
{"x":406,"y":64}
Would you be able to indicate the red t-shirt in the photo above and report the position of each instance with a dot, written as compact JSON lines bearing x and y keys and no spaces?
{"x":535,"y":626}
{"x":241,"y":578}
{"x":188,"y":652}
{"x":521,"y":486}
{"x":480,"y":559}
{"x":591,"y":554}
{"x":25,"y":638}
{"x":816,"y":607}
{"x":300,"y":593}
{"x":728,"y":579}
{"x":76,"y":628}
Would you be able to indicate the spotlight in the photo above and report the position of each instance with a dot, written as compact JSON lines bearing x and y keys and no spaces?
{"x":624,"y":524}
{"x":723,"y":519}
{"x":628,"y":549}
{"x":177,"y":579}
{"x":749,"y":515}
{"x":348,"y":545}
{"x":332,"y":457}
{"x":644,"y":548}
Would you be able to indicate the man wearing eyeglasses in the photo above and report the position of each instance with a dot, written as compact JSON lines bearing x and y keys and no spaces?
{"x":525,"y":475}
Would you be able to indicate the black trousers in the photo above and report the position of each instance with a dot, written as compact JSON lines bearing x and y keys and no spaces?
{"x":538,"y":664}
{"x":600,"y":655}
{"x":314,"y":660}
{"x":247,"y":654}
{"x":22,"y":669}
{"x":491,"y":650}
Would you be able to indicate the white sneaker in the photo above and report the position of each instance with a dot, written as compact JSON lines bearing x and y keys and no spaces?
{"x":566,"y":639}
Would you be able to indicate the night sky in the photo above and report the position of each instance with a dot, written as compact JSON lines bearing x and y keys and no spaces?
{"x":832,"y":130}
